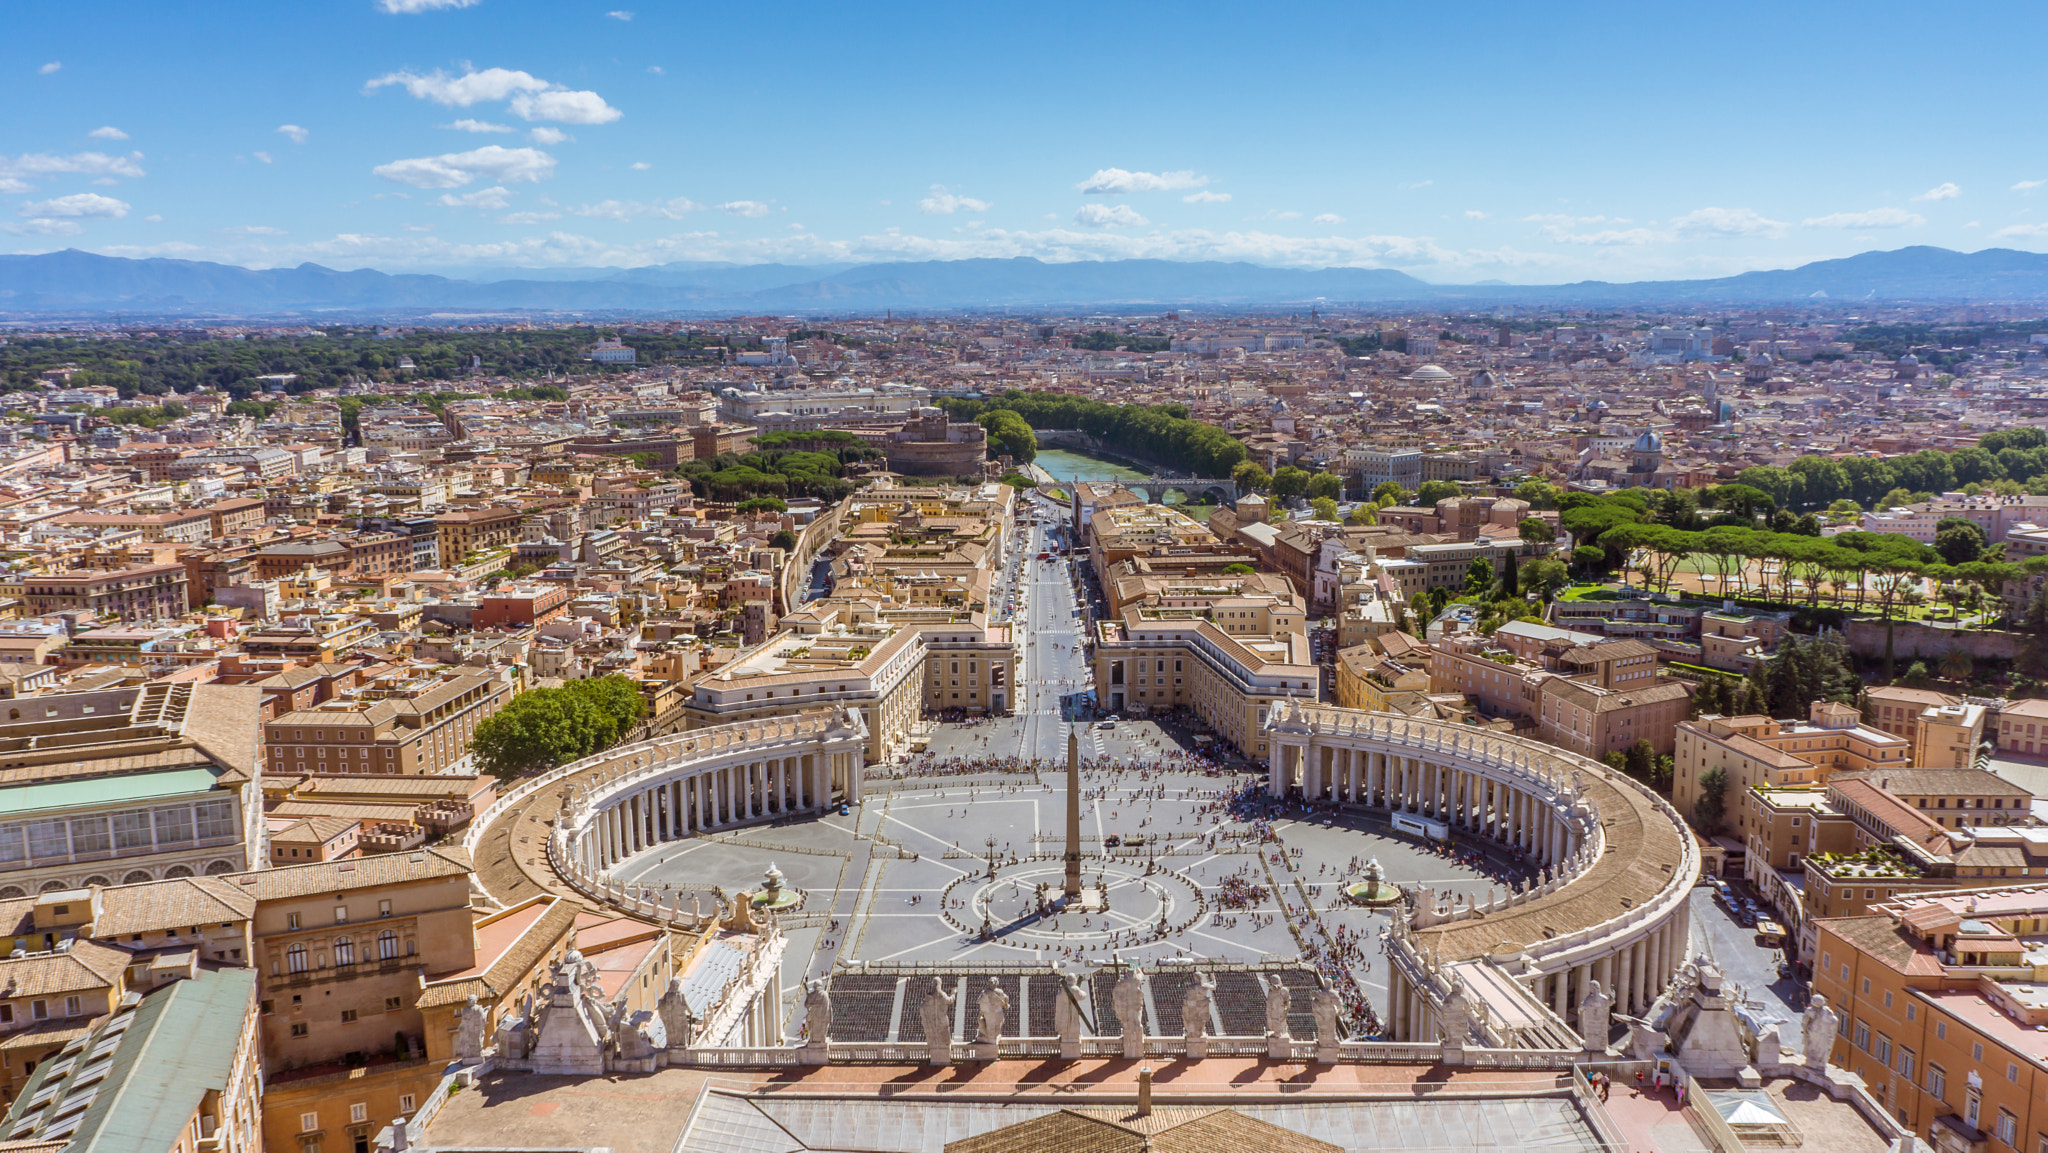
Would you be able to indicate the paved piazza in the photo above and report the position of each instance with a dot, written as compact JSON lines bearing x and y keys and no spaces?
{"x":905,"y":877}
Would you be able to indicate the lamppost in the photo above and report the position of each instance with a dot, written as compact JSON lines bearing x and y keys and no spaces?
{"x":991,"y":843}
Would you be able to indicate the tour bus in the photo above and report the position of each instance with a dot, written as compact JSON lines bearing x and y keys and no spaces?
{"x":1421,"y":827}
{"x":1770,"y":934}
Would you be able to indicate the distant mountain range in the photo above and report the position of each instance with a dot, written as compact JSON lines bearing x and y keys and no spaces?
{"x":72,"y":281}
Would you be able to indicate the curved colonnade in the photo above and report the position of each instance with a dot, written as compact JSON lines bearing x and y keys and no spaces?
{"x":1617,"y":864}
{"x":635,"y":797}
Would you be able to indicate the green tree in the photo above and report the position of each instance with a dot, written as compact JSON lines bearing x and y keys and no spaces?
{"x":1710,"y":808}
{"x":1536,"y":530}
{"x":763,"y":504}
{"x":1510,"y":575}
{"x":1641,"y":760}
{"x":1545,"y":576}
{"x":1249,"y":477}
{"x":1917,"y":675}
{"x":783,"y":539}
{"x":1238,"y":570}
{"x":1364,"y":514}
{"x":1010,"y":434}
{"x":1958,"y":665}
{"x":1539,"y":493}
{"x":1289,"y":481}
{"x":1325,"y":484}
{"x":543,"y":728}
{"x":1433,"y":491}
{"x":1958,"y":540}
{"x":1326,"y":508}
{"x":1018,"y":480}
{"x":1478,"y":576}
{"x":1389,"y":494}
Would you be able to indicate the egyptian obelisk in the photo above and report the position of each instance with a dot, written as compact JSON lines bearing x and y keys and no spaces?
{"x":1072,"y":889}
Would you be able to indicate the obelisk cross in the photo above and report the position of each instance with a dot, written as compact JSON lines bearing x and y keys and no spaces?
{"x":1072,"y":889}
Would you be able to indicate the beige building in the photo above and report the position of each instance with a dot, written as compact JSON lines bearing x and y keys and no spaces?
{"x":1228,"y":662}
{"x":343,"y":950}
{"x":126,"y":785}
{"x":1761,"y":752}
{"x":407,"y":722}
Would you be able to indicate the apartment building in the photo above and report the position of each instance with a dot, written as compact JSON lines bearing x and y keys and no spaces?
{"x":1370,"y":679}
{"x":1758,"y":751}
{"x":128,"y":785}
{"x":407,"y":720}
{"x":175,"y":1071}
{"x":1228,"y":662}
{"x":833,"y":656}
{"x":1942,"y":1013}
{"x":1897,"y":709}
{"x":136,"y":593}
{"x":1579,"y":692}
{"x":342,"y":951}
{"x":471,"y":530}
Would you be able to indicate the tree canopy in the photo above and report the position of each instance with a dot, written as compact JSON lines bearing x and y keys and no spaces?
{"x":542,"y":728}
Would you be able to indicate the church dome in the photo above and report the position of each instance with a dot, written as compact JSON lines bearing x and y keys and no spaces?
{"x":1430,"y":374}
{"x":1649,"y":442}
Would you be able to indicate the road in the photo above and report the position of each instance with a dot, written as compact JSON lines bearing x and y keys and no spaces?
{"x":1745,"y":963}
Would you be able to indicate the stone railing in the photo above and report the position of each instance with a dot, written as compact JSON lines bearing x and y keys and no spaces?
{"x":458,"y":1075}
{"x":1112,"y":1047}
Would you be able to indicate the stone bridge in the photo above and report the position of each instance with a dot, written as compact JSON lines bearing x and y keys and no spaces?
{"x":1197,"y":490}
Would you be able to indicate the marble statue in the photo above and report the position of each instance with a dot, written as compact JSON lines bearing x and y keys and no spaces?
{"x":1326,"y":1005}
{"x":1194,"y":1007}
{"x":937,"y":1015}
{"x":1818,"y":1026}
{"x":1454,"y":1019}
{"x":469,"y":1031}
{"x":818,"y":1011}
{"x":1066,"y":1016}
{"x":1129,"y":1000}
{"x":676,"y":1018}
{"x":1594,"y":1017}
{"x":992,"y":1008}
{"x":1279,"y":999}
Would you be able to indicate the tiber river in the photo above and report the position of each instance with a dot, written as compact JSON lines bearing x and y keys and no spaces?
{"x":1066,"y":466}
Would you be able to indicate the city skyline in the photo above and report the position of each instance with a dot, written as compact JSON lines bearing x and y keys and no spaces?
{"x":475,"y":136}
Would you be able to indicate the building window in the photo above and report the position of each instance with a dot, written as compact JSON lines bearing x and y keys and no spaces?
{"x":405,"y":1103}
{"x":1937,"y":1081}
{"x":359,"y":1111}
{"x":299,"y":1029}
{"x":344,"y":951}
{"x":1863,"y":1036}
{"x":295,"y":959}
{"x":308,"y":1122}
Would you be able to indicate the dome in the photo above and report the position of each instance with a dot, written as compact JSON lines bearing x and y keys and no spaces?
{"x":1649,"y":442}
{"x":1279,"y":407}
{"x":1908,"y":359}
{"x":1429,"y":374}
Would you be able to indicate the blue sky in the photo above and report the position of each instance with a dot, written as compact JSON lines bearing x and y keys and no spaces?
{"x":1523,"y":142}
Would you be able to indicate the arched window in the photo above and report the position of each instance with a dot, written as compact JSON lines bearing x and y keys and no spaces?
{"x":387,"y":945}
{"x":295,"y":959}
{"x":344,"y":951}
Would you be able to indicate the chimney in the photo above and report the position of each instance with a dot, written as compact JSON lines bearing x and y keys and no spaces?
{"x":1145,"y":1091}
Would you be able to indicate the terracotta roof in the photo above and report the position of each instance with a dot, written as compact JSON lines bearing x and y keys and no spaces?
{"x":85,"y":965}
{"x":496,"y":976}
{"x":358,"y":873}
{"x":1903,"y":819}
{"x":1939,"y":782}
{"x":158,"y":905}
{"x":1877,"y":937}
{"x":1123,"y":1130}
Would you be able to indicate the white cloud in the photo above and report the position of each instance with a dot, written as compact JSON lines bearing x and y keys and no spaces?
{"x":1875,"y":218}
{"x":414,"y":7}
{"x":549,"y":136}
{"x":1117,"y":182}
{"x":1328,"y":218}
{"x":1726,"y":222}
{"x":32,"y":165}
{"x":11,"y":185}
{"x":44,"y":226}
{"x":78,"y":204}
{"x":747,"y":208}
{"x":1974,"y":224}
{"x":2028,"y":185}
{"x":108,"y":132}
{"x":52,"y":66}
{"x":1418,"y":184}
{"x":1604,"y":238}
{"x":619,"y":14}
{"x":263,"y":156}
{"x":155,"y":218}
{"x":467,"y":125}
{"x":1206,"y":197}
{"x":528,"y":96}
{"x":1475,"y":214}
{"x":656,"y":69}
{"x":253,"y":230}
{"x":634,"y":209}
{"x":493,"y":198}
{"x":2021,"y":231}
{"x":296,"y":134}
{"x":944,"y":203}
{"x":1109,"y":216}
{"x":528,"y":217}
{"x":454,"y":169}
{"x":419,"y":228}
{"x":640,"y":166}
{"x":1948,"y":191}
